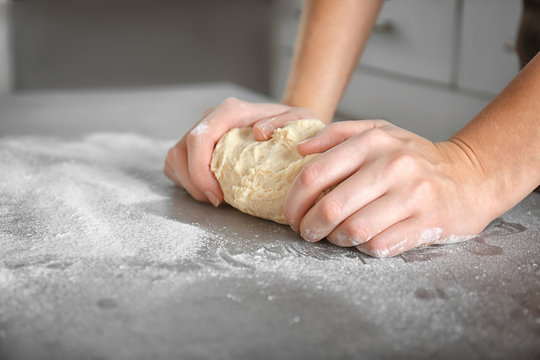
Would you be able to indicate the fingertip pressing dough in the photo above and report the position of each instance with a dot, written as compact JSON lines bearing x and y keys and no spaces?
{"x":256,"y":175}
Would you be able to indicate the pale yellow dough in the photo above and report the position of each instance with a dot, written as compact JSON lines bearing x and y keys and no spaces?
{"x":256,"y":175}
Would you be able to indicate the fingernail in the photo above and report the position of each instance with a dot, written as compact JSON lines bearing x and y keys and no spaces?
{"x":267,"y":129}
{"x":376,"y":253}
{"x":212,"y":197}
{"x":310,"y":235}
{"x":364,"y":250}
{"x":346,"y":240}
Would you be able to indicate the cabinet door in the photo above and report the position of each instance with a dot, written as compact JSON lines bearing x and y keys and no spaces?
{"x":488,"y":60}
{"x":414,"y":38}
{"x":434,"y":112}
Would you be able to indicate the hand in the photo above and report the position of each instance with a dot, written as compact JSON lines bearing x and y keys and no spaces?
{"x":188,"y":162}
{"x":393,"y":190}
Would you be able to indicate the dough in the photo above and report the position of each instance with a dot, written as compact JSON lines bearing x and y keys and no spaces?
{"x":256,"y":175}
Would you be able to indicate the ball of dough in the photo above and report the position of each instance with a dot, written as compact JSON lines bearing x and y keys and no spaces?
{"x":256,"y":175}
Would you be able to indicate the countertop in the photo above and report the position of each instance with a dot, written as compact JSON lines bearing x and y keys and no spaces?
{"x":101,"y":257}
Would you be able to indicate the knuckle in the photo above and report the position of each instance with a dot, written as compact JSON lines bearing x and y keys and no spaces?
{"x":171,"y":155}
{"x":403,"y":163}
{"x":373,"y":138}
{"x":230,"y":101}
{"x":330,"y":209}
{"x":193,"y":138}
{"x":310,"y":174}
{"x":424,"y":189}
{"x":376,"y":135}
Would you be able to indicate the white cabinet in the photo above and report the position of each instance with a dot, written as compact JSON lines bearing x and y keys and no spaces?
{"x":434,"y":112}
{"x":488,"y":60}
{"x":414,"y":38}
{"x":429,"y":66}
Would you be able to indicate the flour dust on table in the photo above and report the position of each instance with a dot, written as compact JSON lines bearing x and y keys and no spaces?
{"x":66,"y":201}
{"x":76,"y":200}
{"x":93,"y":236}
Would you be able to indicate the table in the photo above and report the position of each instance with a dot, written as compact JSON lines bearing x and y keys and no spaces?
{"x":101,"y":257}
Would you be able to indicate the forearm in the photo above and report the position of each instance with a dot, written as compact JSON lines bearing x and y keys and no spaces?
{"x":331,"y":37}
{"x":504,"y":140}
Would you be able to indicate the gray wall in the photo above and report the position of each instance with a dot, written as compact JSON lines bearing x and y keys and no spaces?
{"x":5,"y":53}
{"x":116,"y":43}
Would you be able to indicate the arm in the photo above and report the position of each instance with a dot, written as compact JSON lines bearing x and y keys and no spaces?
{"x":504,"y":140}
{"x":395,"y":190}
{"x":331,"y":37}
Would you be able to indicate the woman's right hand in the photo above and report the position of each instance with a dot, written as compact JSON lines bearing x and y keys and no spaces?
{"x":188,"y":162}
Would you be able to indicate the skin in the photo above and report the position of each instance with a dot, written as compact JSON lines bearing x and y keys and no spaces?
{"x":391,"y":190}
{"x":393,"y":187}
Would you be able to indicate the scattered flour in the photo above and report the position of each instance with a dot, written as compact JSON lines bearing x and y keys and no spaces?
{"x":86,"y":202}
{"x":433,"y":236}
{"x":86,"y":199}
{"x":200,"y":129}
{"x":80,"y":200}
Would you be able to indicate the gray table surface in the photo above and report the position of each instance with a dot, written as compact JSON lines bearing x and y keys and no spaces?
{"x":101,"y":257}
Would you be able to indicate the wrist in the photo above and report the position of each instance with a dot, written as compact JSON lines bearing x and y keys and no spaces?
{"x":474,"y":182}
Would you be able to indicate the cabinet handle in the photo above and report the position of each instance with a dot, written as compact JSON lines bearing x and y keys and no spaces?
{"x":384,"y":26}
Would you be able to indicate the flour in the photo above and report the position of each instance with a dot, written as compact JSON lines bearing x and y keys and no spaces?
{"x":79,"y":200}
{"x":433,"y":236}
{"x":6,"y":277}
{"x":92,"y":254}
{"x":67,"y":201}
{"x":200,"y":129}
{"x":429,"y":236}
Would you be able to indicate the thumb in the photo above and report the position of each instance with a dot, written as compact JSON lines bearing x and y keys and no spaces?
{"x":263,"y":129}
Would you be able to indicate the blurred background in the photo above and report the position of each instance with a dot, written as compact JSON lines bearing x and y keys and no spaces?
{"x":430,"y":65}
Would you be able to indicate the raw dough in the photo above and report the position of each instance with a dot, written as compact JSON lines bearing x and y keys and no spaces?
{"x":256,"y":175}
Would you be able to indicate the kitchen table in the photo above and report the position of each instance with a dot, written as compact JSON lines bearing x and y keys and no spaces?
{"x":102,"y":257}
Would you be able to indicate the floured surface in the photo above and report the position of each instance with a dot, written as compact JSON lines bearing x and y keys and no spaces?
{"x":77,"y":200}
{"x":102,"y":258}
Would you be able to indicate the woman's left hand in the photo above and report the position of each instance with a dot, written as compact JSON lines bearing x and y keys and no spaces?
{"x":392,"y":190}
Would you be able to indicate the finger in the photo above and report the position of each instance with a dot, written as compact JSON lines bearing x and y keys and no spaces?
{"x":372,"y":219}
{"x":263,"y":129}
{"x":351,"y":195}
{"x":176,"y":169}
{"x":400,"y":237}
{"x":202,"y":138}
{"x":331,"y":168}
{"x":167,"y":170}
{"x":337,"y":133}
{"x":320,"y":174}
